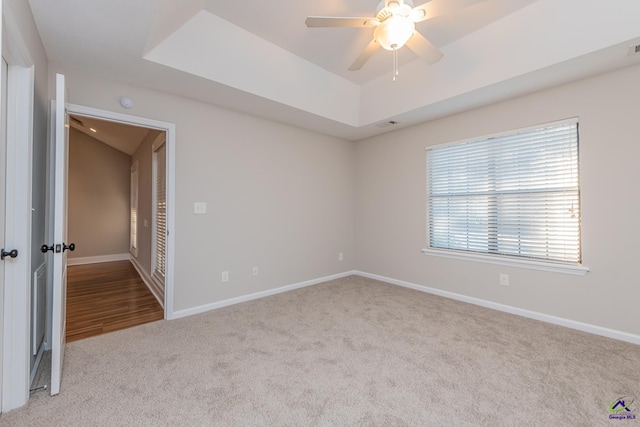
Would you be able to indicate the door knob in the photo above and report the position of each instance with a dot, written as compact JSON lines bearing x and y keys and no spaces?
{"x":13,"y":253}
{"x":57,"y":248}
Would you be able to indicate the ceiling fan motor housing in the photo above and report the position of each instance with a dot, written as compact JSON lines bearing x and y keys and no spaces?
{"x":395,"y":8}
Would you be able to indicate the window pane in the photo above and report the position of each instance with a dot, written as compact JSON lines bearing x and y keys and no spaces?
{"x":515,"y":195}
{"x":161,"y":212}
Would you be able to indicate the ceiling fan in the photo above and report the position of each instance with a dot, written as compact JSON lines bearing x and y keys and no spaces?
{"x":394,"y":25}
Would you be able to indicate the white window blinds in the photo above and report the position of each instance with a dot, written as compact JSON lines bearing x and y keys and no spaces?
{"x":513,"y":195}
{"x":160,"y":209}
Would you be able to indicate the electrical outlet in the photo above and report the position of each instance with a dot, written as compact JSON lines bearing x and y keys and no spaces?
{"x":340,"y":256}
{"x":504,"y":279}
{"x":225,"y":276}
{"x":255,"y":270}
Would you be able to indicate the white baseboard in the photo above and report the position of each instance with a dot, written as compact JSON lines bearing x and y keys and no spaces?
{"x":567,"y":323}
{"x":237,"y":300}
{"x":147,"y":280}
{"x":98,"y":259}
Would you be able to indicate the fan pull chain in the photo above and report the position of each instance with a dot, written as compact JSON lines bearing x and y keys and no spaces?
{"x":395,"y":63}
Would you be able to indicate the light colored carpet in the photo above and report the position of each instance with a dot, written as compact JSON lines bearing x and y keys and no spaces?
{"x":348,"y":352}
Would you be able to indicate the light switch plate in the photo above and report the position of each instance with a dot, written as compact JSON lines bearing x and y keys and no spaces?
{"x":504,"y":279}
{"x":199,"y":208}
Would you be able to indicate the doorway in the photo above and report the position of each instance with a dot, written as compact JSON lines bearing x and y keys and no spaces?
{"x":111,"y":220}
{"x":164,"y":132}
{"x":168,"y":132}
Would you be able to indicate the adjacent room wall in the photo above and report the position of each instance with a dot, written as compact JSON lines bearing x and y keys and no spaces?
{"x":144,"y":156}
{"x":278,"y":197}
{"x":391,"y":204}
{"x":98,"y":204}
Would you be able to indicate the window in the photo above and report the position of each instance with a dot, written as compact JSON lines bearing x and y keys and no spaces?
{"x":160,"y":210}
{"x":133,"y":238}
{"x":512,"y":196}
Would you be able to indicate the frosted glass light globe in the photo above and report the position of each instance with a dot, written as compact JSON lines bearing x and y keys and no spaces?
{"x":394,"y":32}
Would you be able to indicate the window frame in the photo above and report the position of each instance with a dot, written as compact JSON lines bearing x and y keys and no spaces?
{"x":156,"y":273}
{"x":495,"y":258}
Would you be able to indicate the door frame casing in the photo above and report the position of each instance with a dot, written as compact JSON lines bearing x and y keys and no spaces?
{"x":16,"y":348}
{"x":169,"y":129}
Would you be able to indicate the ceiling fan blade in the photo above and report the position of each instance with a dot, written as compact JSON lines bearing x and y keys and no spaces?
{"x":339,"y":22}
{"x":424,"y":48}
{"x":435,"y":8}
{"x":365,"y":55}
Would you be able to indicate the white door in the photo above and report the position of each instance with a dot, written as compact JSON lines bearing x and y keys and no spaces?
{"x":59,"y":312}
{"x":3,"y":159}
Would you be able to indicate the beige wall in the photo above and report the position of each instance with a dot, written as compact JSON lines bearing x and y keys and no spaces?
{"x":143,"y":156}
{"x":98,"y":205}
{"x":390,"y":204}
{"x":287,"y":200}
{"x":278,"y":197}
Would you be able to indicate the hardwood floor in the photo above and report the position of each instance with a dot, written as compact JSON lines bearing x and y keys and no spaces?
{"x":107,"y":297}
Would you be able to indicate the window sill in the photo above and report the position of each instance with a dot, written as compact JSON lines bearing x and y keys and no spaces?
{"x":579,"y":270}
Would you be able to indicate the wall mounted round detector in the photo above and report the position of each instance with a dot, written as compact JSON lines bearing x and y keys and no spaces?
{"x":126,"y":102}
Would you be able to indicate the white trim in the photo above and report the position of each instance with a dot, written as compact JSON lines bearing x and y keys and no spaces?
{"x":170,"y":130}
{"x":98,"y":259}
{"x":171,"y":220}
{"x":244,"y":298}
{"x":157,"y":284}
{"x":146,"y":279}
{"x":16,"y":337}
{"x":95,"y":113}
{"x":579,"y":270}
{"x":560,"y":321}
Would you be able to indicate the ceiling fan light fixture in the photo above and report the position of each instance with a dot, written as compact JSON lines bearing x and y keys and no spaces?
{"x":393,"y":5}
{"x":418,"y":15}
{"x":394,"y":32}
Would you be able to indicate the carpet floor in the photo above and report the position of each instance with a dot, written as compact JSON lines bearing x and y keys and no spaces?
{"x":352,"y":351}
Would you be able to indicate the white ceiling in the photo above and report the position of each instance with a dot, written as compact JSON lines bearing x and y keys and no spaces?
{"x":259,"y":57}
